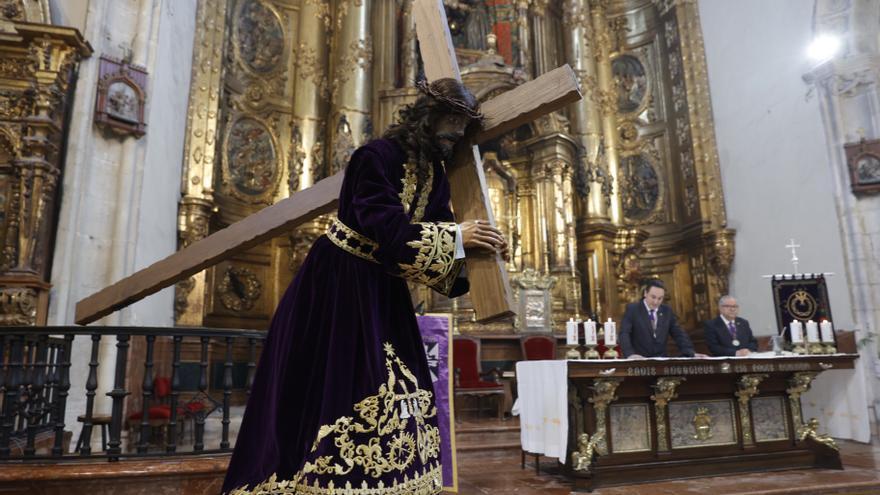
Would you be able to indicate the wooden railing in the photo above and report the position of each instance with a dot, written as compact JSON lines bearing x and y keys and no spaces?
{"x":35,"y":385}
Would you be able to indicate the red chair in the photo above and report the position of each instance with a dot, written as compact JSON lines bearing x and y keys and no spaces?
{"x":160,"y":413}
{"x":538,"y":347}
{"x":469,"y":377}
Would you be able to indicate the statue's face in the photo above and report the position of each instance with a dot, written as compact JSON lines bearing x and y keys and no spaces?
{"x":448,"y":130}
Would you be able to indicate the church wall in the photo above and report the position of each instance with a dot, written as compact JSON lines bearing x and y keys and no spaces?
{"x":779,"y":180}
{"x":849,"y":96}
{"x":70,"y":13}
{"x":119,"y":202}
{"x":772,"y":151}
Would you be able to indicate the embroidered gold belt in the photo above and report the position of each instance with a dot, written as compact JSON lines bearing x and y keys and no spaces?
{"x":351,"y":241}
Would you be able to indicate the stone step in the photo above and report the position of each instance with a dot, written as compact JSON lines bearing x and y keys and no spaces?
{"x":487,"y":435}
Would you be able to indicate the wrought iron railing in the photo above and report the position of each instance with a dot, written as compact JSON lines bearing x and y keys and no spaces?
{"x":35,"y":385}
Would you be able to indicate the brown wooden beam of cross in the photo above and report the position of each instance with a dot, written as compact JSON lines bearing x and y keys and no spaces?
{"x":490,"y":291}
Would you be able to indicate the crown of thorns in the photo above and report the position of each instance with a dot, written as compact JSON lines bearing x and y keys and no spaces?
{"x":456,"y":105}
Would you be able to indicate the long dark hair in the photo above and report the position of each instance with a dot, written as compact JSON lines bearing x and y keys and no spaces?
{"x":413,"y":129}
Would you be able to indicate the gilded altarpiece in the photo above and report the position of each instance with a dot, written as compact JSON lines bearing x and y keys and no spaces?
{"x":38,"y":67}
{"x":622,"y":186}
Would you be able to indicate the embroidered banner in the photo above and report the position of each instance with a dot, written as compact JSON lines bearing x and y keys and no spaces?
{"x":802,"y":297}
{"x":436,"y":335}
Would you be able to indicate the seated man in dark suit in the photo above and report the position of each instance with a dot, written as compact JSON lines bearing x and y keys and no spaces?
{"x":648,"y":323}
{"x":728,"y":335}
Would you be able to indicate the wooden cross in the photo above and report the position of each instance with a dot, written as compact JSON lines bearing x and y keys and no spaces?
{"x":490,"y":291}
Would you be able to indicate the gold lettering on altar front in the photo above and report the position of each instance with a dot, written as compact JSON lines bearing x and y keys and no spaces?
{"x":695,"y":369}
{"x":794,"y":366}
{"x":642,"y":371}
{"x":710,"y":369}
{"x":757,"y":368}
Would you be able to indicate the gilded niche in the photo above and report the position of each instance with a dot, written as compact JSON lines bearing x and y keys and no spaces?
{"x":261,"y":37}
{"x":251,"y":158}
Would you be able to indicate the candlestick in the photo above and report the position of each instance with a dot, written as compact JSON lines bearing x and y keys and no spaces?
{"x":797,"y":336}
{"x":591,"y":339}
{"x":590,"y":336}
{"x":571,"y":339}
{"x":814,"y":346}
{"x":610,"y":339}
{"x":595,"y":267}
{"x":571,"y":336}
{"x":827,"y":331}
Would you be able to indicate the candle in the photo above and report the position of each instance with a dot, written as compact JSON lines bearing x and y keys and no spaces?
{"x":812,"y":331}
{"x":590,"y":332}
{"x":610,"y":333}
{"x":595,"y":266}
{"x":571,"y":333}
{"x":797,"y":332}
{"x":827,"y":332}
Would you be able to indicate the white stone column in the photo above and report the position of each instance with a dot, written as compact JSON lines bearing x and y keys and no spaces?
{"x":119,"y":202}
{"x":848,"y":90}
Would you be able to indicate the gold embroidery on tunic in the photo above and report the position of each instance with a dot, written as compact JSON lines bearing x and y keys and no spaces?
{"x":429,"y":272}
{"x":436,"y":254}
{"x":340,"y":234}
{"x":444,"y":285}
{"x":391,"y":447}
{"x":387,"y":414}
{"x":410,"y":183}
{"x":428,"y":482}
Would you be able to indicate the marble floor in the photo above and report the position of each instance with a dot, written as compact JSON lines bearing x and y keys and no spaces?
{"x":498,"y":472}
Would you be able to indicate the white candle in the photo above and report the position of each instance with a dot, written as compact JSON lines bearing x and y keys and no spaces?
{"x":812,"y":331}
{"x":827,"y":332}
{"x":797,"y":332}
{"x":610,"y":333}
{"x":590,"y":332}
{"x":595,"y":266}
{"x":571,"y":333}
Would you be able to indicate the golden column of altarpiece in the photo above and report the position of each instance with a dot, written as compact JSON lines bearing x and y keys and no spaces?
{"x":627,"y":180}
{"x":38,"y":66}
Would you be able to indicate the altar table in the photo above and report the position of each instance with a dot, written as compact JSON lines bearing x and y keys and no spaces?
{"x":619,"y":421}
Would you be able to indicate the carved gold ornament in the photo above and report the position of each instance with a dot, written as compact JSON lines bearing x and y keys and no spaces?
{"x":582,"y":458}
{"x":604,"y":393}
{"x":702,"y":425}
{"x":811,"y":430}
{"x":748,"y":388}
{"x":664,"y":391}
{"x":239,"y":288}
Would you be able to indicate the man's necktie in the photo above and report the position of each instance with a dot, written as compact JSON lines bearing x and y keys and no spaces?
{"x":653,"y":323}
{"x":732,"y":329}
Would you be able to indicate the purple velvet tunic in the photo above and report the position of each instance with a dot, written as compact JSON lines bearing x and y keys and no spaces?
{"x":342,"y":400}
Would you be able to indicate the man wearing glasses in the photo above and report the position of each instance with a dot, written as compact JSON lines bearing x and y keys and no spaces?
{"x":729,"y":335}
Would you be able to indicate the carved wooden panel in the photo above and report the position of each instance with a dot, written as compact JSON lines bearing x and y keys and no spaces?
{"x":37,"y":66}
